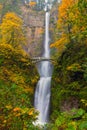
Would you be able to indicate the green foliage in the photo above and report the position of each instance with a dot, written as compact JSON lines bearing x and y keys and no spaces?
{"x":84,"y":65}
{"x":17,"y":80}
{"x":74,"y":119}
{"x":14,"y":108}
{"x":69,"y":81}
{"x":10,"y":6}
{"x":69,"y":77}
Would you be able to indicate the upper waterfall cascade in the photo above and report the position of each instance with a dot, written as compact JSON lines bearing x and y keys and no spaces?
{"x":42,"y":93}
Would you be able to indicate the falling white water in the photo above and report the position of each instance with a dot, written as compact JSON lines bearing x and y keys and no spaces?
{"x":42,"y":93}
{"x":46,"y":46}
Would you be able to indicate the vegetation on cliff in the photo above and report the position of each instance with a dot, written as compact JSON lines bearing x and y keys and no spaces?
{"x":18,"y":76}
{"x":69,"y":84}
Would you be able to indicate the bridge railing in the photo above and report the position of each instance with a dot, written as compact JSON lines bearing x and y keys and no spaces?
{"x":39,"y":59}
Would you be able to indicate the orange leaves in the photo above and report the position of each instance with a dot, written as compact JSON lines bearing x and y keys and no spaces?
{"x":32,"y":3}
{"x":64,"y":7}
{"x":31,"y":111}
{"x":67,"y":11}
{"x":21,"y":111}
{"x":16,"y":109}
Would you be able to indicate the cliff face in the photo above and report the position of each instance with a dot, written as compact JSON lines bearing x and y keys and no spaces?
{"x":34,"y":22}
{"x":34,"y":26}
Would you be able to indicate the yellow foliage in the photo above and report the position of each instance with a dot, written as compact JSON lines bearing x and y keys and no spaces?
{"x":7,"y":50}
{"x":63,"y":9}
{"x":18,"y":114}
{"x":84,"y":102}
{"x":74,"y":124}
{"x":21,"y":111}
{"x":9,"y":107}
{"x":4,"y":121}
{"x":70,"y":24}
{"x":28,"y":89}
{"x":1,"y":6}
{"x":32,"y":3}
{"x":11,"y":29}
{"x":11,"y":17}
{"x":24,"y":128}
{"x":64,"y":15}
{"x":13,"y":77}
{"x":24,"y":110}
{"x":4,"y":47}
{"x":61,"y":43}
{"x":71,"y":18}
{"x":74,"y":67}
{"x":31,"y":112}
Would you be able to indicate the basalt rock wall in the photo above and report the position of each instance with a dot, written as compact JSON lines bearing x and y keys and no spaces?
{"x":34,"y":27}
{"x":34,"y":24}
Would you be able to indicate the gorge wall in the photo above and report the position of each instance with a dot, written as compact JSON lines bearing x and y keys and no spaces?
{"x":34,"y":22}
{"x":34,"y":26}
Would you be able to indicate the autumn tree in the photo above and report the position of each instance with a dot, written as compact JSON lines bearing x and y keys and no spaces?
{"x":11,"y":30}
{"x":79,"y":29}
{"x":16,"y":76}
{"x":64,"y":24}
{"x":70,"y":69}
{"x":17,"y":80}
{"x":72,"y":23}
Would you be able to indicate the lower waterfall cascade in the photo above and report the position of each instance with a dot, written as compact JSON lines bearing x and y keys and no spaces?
{"x":42,"y":92}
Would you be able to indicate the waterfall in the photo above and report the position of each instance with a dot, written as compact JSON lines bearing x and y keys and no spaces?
{"x":42,"y":92}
